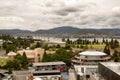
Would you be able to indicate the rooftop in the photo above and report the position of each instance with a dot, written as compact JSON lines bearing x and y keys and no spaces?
{"x":48,"y":63}
{"x":11,"y":53}
{"x":92,"y":53}
{"x":114,"y":66}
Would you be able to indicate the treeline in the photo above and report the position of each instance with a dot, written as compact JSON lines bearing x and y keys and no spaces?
{"x":19,"y":62}
{"x":87,"y":41}
{"x":60,"y":55}
{"x":12,"y":44}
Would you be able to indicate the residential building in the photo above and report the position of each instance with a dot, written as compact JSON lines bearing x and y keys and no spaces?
{"x":35,"y":55}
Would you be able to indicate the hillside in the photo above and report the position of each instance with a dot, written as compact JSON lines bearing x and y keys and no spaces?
{"x":65,"y":30}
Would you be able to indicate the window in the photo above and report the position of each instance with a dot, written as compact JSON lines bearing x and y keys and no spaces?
{"x":38,"y":55}
{"x":82,"y":69}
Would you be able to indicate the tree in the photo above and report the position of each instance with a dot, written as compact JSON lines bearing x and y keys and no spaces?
{"x":24,"y":61}
{"x":63,"y":39}
{"x":68,"y":41}
{"x":94,"y":41}
{"x":46,"y":57}
{"x":116,"y":56}
{"x":9,"y":71}
{"x":60,"y":55}
{"x":17,"y":64}
{"x":10,"y":64}
{"x":38,"y":44}
{"x":67,"y":46}
{"x":116,"y":43}
{"x":107,"y":50}
{"x":103,"y":41}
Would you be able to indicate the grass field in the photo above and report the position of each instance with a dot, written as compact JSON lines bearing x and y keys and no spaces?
{"x":3,"y":61}
{"x":96,"y":46}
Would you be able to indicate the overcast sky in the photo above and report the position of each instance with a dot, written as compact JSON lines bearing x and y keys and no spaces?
{"x":46,"y":14}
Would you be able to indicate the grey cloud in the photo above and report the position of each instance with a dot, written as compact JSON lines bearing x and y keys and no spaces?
{"x":40,"y":14}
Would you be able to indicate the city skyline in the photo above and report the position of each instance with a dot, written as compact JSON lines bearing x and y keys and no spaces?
{"x":45,"y":14}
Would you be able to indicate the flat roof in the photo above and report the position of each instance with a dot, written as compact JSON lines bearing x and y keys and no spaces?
{"x":48,"y":63}
{"x":52,"y":71}
{"x":114,"y":66}
{"x":92,"y":53}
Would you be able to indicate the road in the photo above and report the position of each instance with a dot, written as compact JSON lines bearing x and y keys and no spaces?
{"x":72,"y":74}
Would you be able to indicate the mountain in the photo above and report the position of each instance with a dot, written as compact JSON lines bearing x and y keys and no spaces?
{"x":59,"y":30}
{"x":65,"y":30}
{"x":14,"y":31}
{"x":73,"y":30}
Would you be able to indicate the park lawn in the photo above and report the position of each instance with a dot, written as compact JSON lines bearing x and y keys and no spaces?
{"x":96,"y":46}
{"x":3,"y":61}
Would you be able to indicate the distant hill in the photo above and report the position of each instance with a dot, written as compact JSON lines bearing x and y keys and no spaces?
{"x":64,"y":30}
{"x":14,"y":31}
{"x":60,"y":30}
{"x":73,"y":30}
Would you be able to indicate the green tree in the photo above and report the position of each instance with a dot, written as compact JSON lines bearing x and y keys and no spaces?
{"x":68,"y":41}
{"x":38,"y":44}
{"x":60,"y":55}
{"x":9,"y":70}
{"x":63,"y":39}
{"x":24,"y":61}
{"x":107,"y":50}
{"x":17,"y":62}
{"x":116,"y":43}
{"x":116,"y":56}
{"x":103,"y":41}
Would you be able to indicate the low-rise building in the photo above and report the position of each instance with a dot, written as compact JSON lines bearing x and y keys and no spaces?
{"x":11,"y":55}
{"x":48,"y":70}
{"x":83,"y":71}
{"x":20,"y":75}
{"x":109,"y":70}
{"x":90,"y":58}
{"x":35,"y":55}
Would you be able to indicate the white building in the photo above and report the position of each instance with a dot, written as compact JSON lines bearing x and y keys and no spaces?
{"x":83,"y":71}
{"x":87,"y":62}
{"x":90,"y":58}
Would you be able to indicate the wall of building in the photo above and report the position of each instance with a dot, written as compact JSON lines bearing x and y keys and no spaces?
{"x":107,"y":73}
{"x":35,"y":55}
{"x":39,"y":54}
{"x":20,"y":75}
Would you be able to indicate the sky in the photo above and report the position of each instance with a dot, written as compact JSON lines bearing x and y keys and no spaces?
{"x":45,"y":14}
